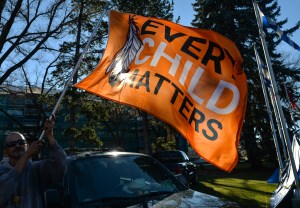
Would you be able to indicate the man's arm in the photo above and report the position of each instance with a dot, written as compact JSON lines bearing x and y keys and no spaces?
{"x":33,"y":149}
{"x":54,"y":168}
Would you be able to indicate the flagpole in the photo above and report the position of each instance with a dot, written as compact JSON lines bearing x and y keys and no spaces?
{"x":271,"y":94}
{"x":67,"y":84}
{"x":275,"y":91}
{"x":269,"y":111}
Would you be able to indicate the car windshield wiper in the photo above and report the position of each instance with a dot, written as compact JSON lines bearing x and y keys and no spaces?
{"x":126,"y":201}
{"x":151,"y":195}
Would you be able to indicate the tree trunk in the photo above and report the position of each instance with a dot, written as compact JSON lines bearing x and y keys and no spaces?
{"x":146,"y":133}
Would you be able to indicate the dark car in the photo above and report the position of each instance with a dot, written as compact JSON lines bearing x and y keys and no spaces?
{"x":178,"y":163}
{"x":122,"y":179}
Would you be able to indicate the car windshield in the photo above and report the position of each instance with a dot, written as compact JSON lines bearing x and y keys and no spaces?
{"x":122,"y":176}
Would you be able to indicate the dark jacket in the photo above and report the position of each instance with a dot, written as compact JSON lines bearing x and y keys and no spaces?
{"x":35,"y":178}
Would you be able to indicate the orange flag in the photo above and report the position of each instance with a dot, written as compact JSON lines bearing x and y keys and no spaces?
{"x":189,"y":78}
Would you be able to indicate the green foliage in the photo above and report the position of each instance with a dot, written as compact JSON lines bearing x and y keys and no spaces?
{"x":85,"y":16}
{"x":119,"y":120}
{"x":82,"y":107}
{"x":149,"y":8}
{"x":88,"y":114}
{"x":161,"y":143}
{"x":85,"y":134}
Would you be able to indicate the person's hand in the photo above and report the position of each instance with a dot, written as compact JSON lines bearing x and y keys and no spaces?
{"x":34,"y":148}
{"x":48,"y":128}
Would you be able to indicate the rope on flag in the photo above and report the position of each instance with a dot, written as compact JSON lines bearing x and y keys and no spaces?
{"x":269,"y":23}
{"x":190,"y":78}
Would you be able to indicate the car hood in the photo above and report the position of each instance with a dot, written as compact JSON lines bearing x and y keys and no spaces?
{"x":188,"y":199}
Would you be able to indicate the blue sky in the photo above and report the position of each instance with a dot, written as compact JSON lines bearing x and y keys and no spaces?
{"x":289,"y":9}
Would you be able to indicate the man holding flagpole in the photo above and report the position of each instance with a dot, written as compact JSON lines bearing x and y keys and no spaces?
{"x":22,"y":181}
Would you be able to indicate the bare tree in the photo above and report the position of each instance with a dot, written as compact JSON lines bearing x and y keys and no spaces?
{"x":33,"y":97}
{"x":28,"y":31}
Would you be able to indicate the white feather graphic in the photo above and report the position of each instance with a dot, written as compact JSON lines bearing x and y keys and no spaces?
{"x":124,"y":57}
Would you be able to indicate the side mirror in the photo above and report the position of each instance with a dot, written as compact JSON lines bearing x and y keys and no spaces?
{"x":53,"y":198}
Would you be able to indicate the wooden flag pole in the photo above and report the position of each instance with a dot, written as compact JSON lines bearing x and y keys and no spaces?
{"x":67,"y":84}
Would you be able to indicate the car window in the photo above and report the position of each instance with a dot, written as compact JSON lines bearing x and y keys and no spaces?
{"x":126,"y":176}
{"x":170,"y":157}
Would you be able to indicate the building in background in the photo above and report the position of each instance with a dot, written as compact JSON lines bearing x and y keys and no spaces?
{"x":20,"y":112}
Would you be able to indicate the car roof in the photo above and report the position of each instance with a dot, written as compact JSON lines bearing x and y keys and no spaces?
{"x":168,"y":152}
{"x":85,"y":153}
